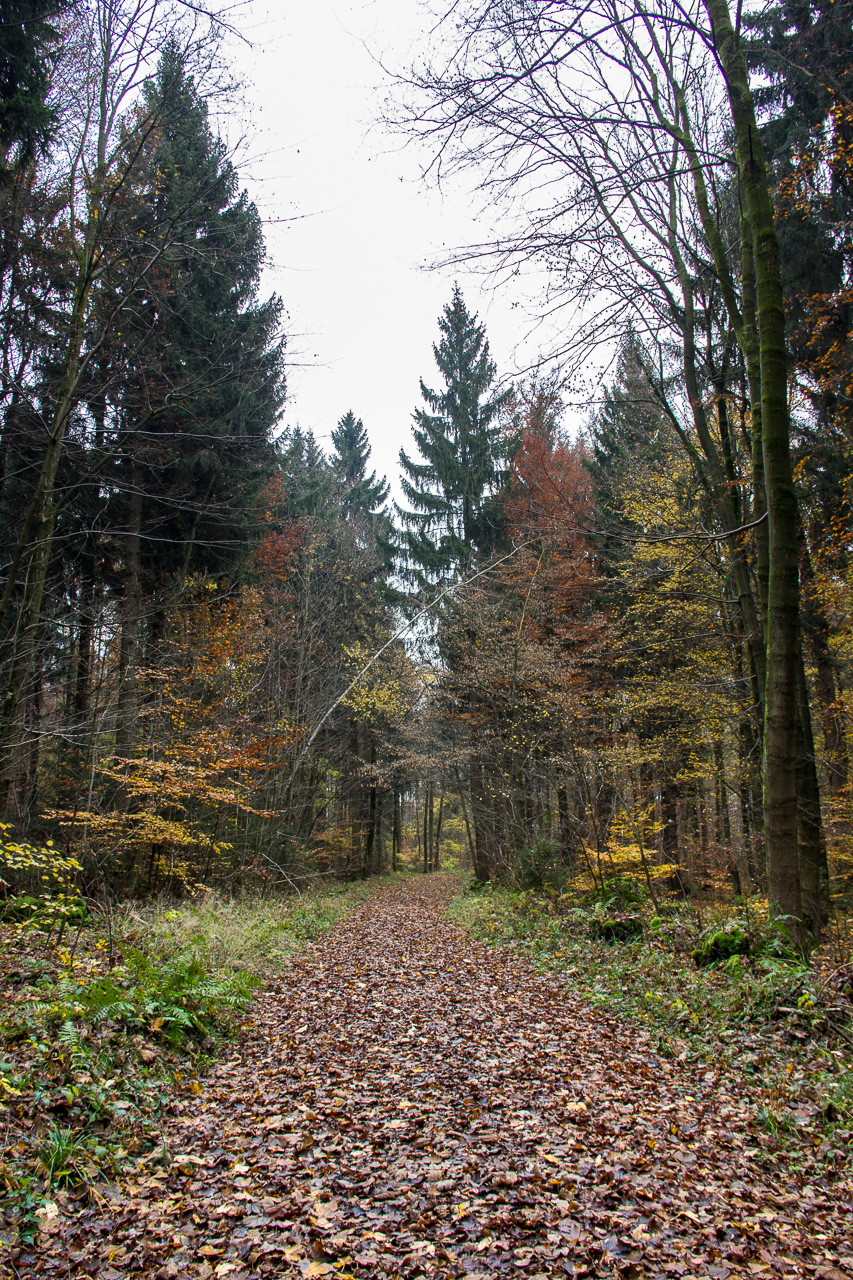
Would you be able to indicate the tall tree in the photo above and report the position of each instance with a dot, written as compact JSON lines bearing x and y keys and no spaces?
{"x":150,"y":266}
{"x":350,"y":460}
{"x":28,"y":40}
{"x":611,"y":114}
{"x":193,"y":416}
{"x":771,"y":410}
{"x":464,"y":446}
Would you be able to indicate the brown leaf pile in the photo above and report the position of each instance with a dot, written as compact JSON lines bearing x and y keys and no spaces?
{"x":409,"y":1103}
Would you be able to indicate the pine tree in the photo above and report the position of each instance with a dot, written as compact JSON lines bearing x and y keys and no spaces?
{"x":464,"y":447}
{"x":308,"y":480}
{"x":27,"y":123}
{"x":349,"y":462}
{"x":197,"y":411}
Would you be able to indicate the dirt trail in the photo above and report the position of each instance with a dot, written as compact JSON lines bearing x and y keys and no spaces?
{"x":409,"y":1103}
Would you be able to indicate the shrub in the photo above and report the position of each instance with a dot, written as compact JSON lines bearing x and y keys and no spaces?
{"x":45,"y":913}
{"x":539,"y":866}
{"x":625,"y":889}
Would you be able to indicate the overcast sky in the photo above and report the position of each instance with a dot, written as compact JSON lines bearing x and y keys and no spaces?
{"x":350,"y":228}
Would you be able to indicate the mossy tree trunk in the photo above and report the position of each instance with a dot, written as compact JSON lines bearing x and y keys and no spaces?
{"x":781,"y":709}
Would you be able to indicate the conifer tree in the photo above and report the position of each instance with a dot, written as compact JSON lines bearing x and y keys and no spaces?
{"x":629,"y":426}
{"x":191,"y":415}
{"x":197,"y":411}
{"x":27,"y":34}
{"x":464,"y":448}
{"x":308,"y":480}
{"x":349,"y":462}
{"x":801,"y":50}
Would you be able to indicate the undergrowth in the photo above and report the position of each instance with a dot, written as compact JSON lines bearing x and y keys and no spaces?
{"x":252,"y":934}
{"x":785,"y":1025}
{"x":97,"y":1036}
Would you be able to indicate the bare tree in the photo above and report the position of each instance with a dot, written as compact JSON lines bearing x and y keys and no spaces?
{"x":603,"y":128}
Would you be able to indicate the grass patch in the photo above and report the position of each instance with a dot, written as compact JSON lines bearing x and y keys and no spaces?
{"x":98,"y":1035}
{"x":784,"y":1026}
{"x":251,"y":934}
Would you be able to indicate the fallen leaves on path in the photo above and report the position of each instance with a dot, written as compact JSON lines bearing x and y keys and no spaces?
{"x":405,"y":1102}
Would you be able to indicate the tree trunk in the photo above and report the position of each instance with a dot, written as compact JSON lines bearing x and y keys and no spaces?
{"x":484,"y":852}
{"x":468,"y":832}
{"x":814,"y":871}
{"x":125,"y":738}
{"x":397,"y":830}
{"x":669,"y":821}
{"x":437,"y":838}
{"x":724,"y":830}
{"x":817,"y":631}
{"x":85,"y":636}
{"x":781,"y":711}
{"x":28,"y":799}
{"x":35,"y":539}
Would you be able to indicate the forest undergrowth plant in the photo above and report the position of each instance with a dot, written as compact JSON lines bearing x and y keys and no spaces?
{"x":62,"y":1157}
{"x":539,"y":866}
{"x":97,"y":1038}
{"x":250,"y":933}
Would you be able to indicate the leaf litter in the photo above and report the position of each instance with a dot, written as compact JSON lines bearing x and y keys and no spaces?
{"x":406,"y":1102}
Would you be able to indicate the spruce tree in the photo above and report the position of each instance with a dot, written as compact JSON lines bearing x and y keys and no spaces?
{"x":801,"y":51}
{"x":198,"y":372}
{"x":27,"y":36}
{"x":363,"y":492}
{"x":464,"y":451}
{"x":309,"y":482}
{"x":197,"y":410}
{"x":628,"y":428}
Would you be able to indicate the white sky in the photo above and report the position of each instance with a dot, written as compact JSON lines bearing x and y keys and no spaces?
{"x":349,"y":226}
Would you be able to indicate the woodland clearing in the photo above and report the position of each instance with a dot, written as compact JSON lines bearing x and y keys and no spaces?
{"x":405,"y":1101}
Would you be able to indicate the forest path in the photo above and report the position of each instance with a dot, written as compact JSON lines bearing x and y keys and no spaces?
{"x":407,"y":1102}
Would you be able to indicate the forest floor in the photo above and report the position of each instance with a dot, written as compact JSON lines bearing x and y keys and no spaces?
{"x":404,"y":1101}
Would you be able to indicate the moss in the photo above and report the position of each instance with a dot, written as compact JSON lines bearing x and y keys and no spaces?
{"x":617,"y":928}
{"x":721,"y":945}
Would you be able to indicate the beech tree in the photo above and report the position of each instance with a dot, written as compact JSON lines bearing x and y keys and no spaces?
{"x":600,"y":124}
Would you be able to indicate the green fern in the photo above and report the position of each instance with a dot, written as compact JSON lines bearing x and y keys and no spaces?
{"x":69,"y":1036}
{"x":175,"y":998}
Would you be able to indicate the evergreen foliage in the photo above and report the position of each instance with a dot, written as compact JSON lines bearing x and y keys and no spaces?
{"x":197,"y":410}
{"x":801,"y":49}
{"x":27,"y":33}
{"x":220,"y":355}
{"x":364,"y":496}
{"x":201,"y":666}
{"x":629,"y":427}
{"x":462,"y":438}
{"x":308,"y":479}
{"x":362,"y":492}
